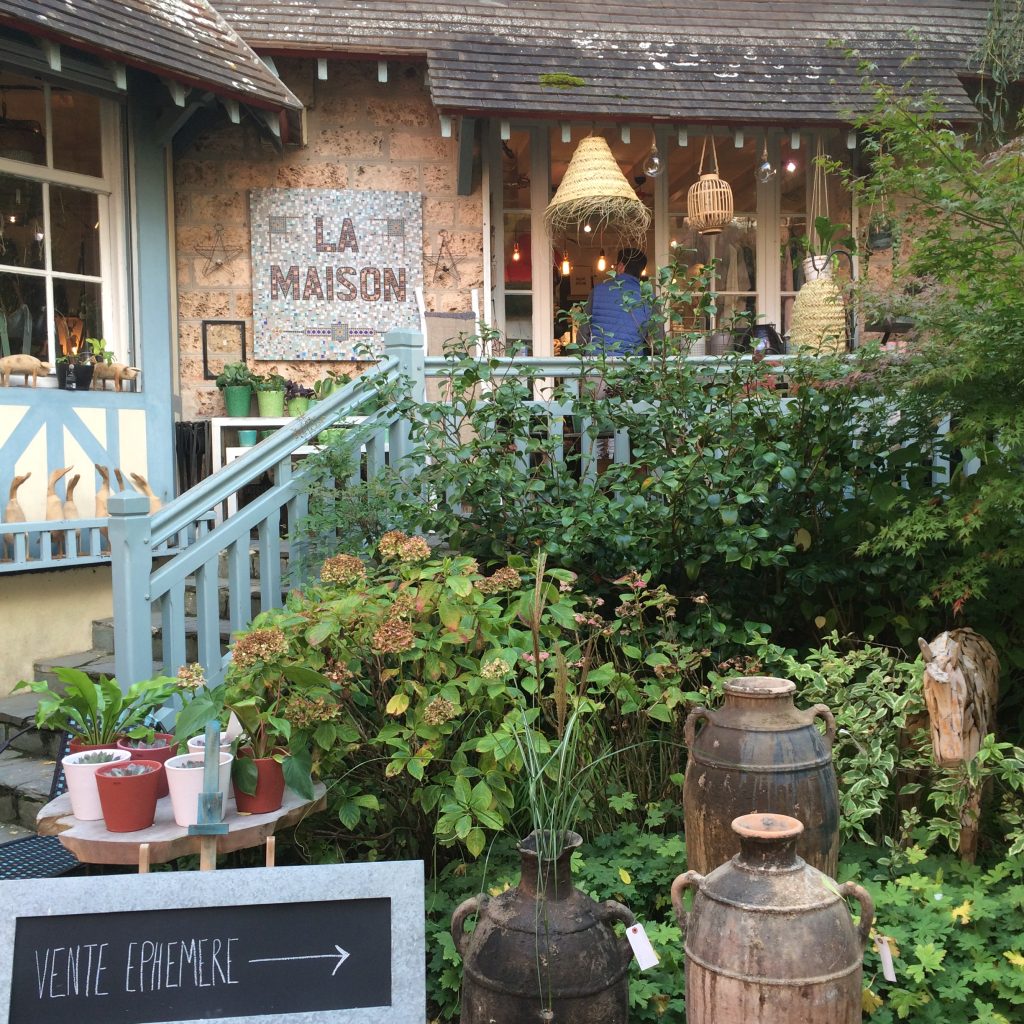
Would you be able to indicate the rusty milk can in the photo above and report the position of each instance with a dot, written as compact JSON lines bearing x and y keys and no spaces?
{"x":770,"y":939}
{"x":759,"y":752}
{"x":543,"y":951}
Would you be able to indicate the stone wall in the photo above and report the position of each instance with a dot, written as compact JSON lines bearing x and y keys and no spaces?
{"x":361,"y":134}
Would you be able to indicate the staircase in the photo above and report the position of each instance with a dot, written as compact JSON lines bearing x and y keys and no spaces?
{"x":27,"y":766}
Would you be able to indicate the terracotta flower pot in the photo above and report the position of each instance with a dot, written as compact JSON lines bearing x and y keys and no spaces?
{"x":129,"y":801}
{"x":76,"y":746}
{"x":81,"y":779}
{"x":156,"y":752}
{"x":269,"y":793}
{"x":185,"y":780}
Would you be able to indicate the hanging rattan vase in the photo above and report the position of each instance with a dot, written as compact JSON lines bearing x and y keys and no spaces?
{"x":818,"y":325}
{"x":709,"y":201}
{"x":594,"y":191}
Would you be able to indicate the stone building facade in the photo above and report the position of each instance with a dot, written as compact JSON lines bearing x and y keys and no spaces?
{"x":361,"y":134}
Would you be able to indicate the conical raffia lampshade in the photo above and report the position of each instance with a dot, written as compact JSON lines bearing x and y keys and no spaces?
{"x":594,"y":190}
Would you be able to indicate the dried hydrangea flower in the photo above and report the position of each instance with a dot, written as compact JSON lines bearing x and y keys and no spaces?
{"x":505,"y":578}
{"x":191,"y":677}
{"x":414,"y":549}
{"x":338,"y":673}
{"x":342,"y":569}
{"x":307,"y":712}
{"x":439,"y":711}
{"x":259,"y":645}
{"x":390,"y":545}
{"x":496,"y":668}
{"x":393,"y":636}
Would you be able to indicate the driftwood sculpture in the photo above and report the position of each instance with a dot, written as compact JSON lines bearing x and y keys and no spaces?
{"x":55,"y":508}
{"x":961,"y":689}
{"x":143,"y":485}
{"x":71,"y":509}
{"x":13,"y":513}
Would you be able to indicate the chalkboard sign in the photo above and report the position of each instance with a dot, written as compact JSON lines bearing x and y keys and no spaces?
{"x":339,"y":943}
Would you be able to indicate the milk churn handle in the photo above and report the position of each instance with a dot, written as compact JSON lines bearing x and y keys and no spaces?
{"x":678,"y":886}
{"x":867,"y":908}
{"x":462,"y":911}
{"x":690,"y":728}
{"x":822,"y":711}
{"x":612,"y":910}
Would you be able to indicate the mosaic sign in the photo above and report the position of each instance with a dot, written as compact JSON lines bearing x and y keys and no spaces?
{"x":333,"y":269}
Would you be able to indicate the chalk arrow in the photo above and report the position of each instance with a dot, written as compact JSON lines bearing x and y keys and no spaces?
{"x":341,"y":956}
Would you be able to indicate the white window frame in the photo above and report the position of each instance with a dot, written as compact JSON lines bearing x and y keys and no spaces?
{"x":109,"y":190}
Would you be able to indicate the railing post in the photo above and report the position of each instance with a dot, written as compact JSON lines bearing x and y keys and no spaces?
{"x":407,"y":348}
{"x":131,"y":557}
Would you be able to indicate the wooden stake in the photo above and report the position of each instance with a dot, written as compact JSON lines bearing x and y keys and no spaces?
{"x":208,"y":853}
{"x":143,"y":858}
{"x":271,"y":850}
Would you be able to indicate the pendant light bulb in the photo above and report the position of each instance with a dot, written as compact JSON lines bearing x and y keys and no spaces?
{"x":765,"y":171}
{"x":516,"y":254}
{"x":653,"y":164}
{"x":587,"y":228}
{"x":566,"y":265}
{"x":602,"y":262}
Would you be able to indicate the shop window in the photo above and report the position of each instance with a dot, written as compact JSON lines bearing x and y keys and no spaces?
{"x":59,"y":220}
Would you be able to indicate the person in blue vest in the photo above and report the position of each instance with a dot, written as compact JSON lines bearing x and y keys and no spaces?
{"x":617,"y":313}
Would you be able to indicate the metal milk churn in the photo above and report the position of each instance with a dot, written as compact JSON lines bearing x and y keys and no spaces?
{"x":543,"y":951}
{"x":770,"y":939}
{"x":759,"y":752}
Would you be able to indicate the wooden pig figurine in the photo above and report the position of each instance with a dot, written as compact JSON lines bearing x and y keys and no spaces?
{"x":22,"y":364}
{"x":117,"y":372}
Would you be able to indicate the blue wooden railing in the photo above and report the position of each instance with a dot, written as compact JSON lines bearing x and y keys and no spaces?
{"x":231,"y":563}
{"x":158,"y":558}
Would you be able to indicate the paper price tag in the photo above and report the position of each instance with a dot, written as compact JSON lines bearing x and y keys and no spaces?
{"x":882,"y":945}
{"x":642,"y":948}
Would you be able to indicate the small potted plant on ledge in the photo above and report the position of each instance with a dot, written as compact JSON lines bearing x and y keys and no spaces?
{"x":74,"y":372}
{"x":298,"y":397}
{"x":235,"y":382}
{"x":270,"y":394}
{"x":97,"y":713}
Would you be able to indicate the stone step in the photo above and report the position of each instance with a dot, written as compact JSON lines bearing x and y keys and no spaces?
{"x":25,"y":782}
{"x":10,"y":832}
{"x":93,"y":663}
{"x":18,"y":713}
{"x":103,"y":636}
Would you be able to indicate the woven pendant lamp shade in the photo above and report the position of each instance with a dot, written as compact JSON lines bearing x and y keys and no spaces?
{"x":594,"y":190}
{"x":818,"y":323}
{"x":709,"y":201}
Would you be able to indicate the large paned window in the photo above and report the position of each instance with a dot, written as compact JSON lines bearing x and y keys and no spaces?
{"x":758,"y":255}
{"x":60,"y":220}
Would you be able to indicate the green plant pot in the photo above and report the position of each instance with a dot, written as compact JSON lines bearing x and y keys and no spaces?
{"x":246,"y":438}
{"x":271,"y":403}
{"x":237,"y":399}
{"x":331,"y":436}
{"x":297,"y":406}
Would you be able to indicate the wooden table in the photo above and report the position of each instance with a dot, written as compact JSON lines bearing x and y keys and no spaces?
{"x":91,"y":843}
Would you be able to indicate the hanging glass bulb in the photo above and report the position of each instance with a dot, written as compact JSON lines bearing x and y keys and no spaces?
{"x":566,"y":265}
{"x":516,"y":254}
{"x":653,"y":164}
{"x":765,"y":171}
{"x":602,"y":262}
{"x":587,"y":228}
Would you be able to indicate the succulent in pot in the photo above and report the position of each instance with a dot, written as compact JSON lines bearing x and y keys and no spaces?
{"x":159,"y":747}
{"x":185,"y":779}
{"x":128,"y":794}
{"x":80,"y":772}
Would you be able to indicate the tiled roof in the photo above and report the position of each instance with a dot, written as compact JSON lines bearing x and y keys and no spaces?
{"x":691,"y":60}
{"x":184,"y":40}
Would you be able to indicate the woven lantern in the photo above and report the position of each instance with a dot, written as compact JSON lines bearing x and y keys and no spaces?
{"x":594,"y":190}
{"x":709,"y":201}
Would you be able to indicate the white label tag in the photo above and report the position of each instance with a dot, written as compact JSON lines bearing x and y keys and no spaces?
{"x":642,"y":948}
{"x":882,"y":945}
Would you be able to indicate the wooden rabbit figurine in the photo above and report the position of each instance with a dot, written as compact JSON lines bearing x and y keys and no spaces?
{"x":143,"y":485}
{"x":13,"y":513}
{"x":55,"y":509}
{"x":71,"y":509}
